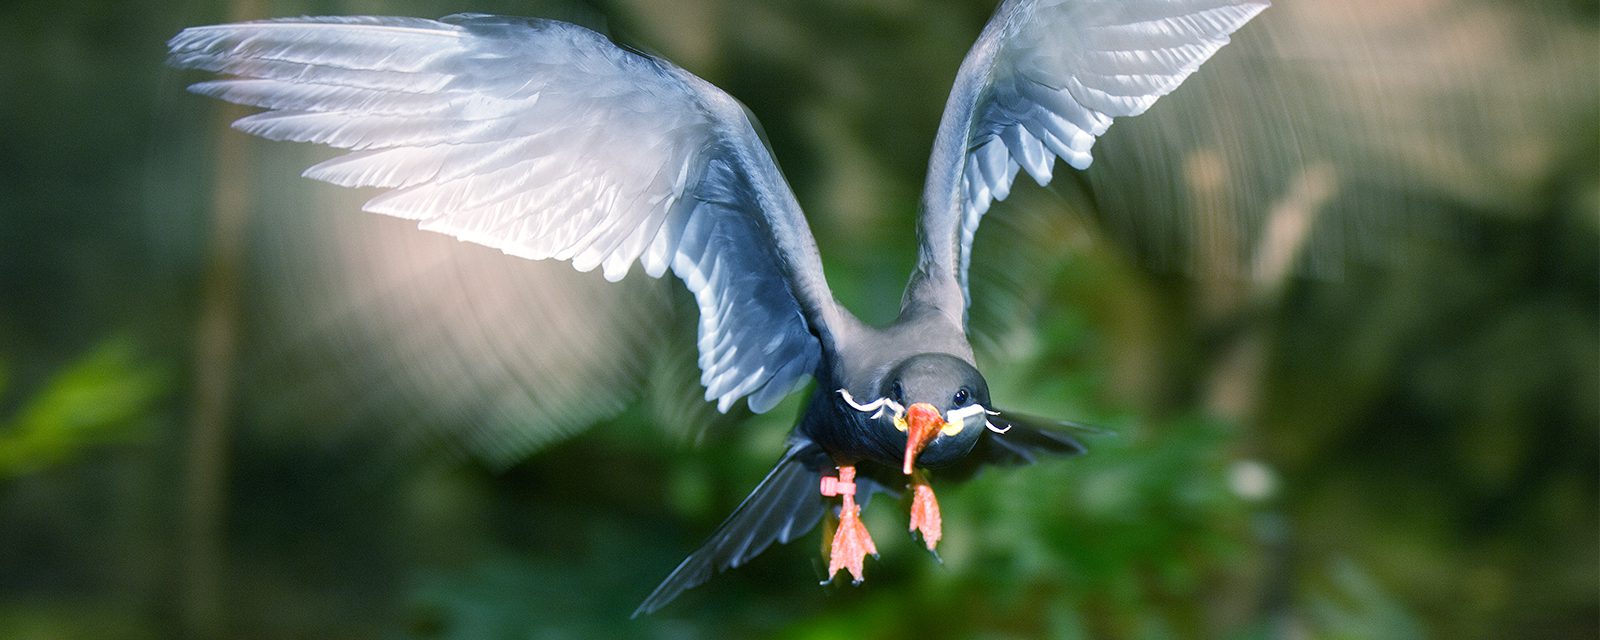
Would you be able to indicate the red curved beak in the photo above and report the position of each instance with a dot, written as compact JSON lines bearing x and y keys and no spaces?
{"x":923,"y":422}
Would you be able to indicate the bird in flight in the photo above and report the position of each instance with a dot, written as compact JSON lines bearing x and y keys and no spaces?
{"x":546,"y":140}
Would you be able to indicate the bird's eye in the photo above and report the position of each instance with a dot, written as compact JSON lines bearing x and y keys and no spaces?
{"x":961,"y":398}
{"x":896,"y":393}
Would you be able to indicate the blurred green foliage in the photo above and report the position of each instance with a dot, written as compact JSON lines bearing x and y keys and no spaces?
{"x":1406,"y":449}
{"x":101,"y":398}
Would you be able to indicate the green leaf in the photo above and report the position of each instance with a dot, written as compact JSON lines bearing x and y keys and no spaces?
{"x":99,"y":398}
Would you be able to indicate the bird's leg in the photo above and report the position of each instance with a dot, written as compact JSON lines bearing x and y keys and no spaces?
{"x":924,"y":511}
{"x":851,"y":543}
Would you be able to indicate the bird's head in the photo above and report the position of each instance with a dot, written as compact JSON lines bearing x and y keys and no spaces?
{"x":938,"y":401}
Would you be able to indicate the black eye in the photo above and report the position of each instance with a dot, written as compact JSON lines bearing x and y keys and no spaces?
{"x":897,"y":393}
{"x":961,"y":398}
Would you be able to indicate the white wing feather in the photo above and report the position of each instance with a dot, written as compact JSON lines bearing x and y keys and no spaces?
{"x":545,"y":140}
{"x":1044,"y":81}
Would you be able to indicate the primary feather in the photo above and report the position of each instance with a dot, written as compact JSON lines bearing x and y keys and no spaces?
{"x":544,"y":140}
{"x":1044,"y":80}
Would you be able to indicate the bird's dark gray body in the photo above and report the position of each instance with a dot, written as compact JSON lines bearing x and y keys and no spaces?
{"x":863,"y":360}
{"x":547,"y":141}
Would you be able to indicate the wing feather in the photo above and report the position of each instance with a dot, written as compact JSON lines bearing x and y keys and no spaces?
{"x":1043,"y":82}
{"x":545,"y":140}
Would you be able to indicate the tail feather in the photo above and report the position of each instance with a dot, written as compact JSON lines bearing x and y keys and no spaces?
{"x":785,"y":506}
{"x":1026,"y":440}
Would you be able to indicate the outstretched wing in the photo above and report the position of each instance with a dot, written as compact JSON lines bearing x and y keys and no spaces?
{"x":545,"y":140}
{"x":1043,"y":81}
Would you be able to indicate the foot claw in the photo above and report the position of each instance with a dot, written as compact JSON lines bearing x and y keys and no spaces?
{"x":925,"y":512}
{"x":851,"y":542}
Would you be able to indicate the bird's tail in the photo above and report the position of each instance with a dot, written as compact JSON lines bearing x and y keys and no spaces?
{"x":1020,"y":439}
{"x":788,"y":503}
{"x":785,"y":506}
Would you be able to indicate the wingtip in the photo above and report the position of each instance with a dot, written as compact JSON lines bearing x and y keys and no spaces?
{"x":174,"y":42}
{"x":183,"y":39}
{"x":208,"y":88}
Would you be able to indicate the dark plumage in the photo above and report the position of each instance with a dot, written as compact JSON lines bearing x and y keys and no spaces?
{"x":545,"y":140}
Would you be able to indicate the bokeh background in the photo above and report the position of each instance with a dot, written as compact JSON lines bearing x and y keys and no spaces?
{"x":1335,"y":306}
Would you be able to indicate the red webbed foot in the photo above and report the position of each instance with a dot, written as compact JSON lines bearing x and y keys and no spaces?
{"x":925,"y":511}
{"x":851,"y":542}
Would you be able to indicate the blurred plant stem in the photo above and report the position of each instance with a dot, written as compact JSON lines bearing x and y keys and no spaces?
{"x":215,"y":353}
